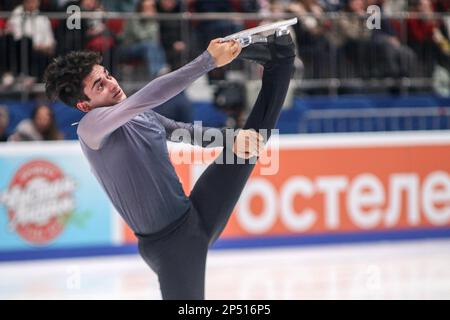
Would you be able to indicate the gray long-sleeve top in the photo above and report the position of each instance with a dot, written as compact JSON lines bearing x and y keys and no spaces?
{"x":126,"y":147}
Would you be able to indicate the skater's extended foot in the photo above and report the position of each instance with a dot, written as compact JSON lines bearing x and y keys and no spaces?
{"x":276,"y":47}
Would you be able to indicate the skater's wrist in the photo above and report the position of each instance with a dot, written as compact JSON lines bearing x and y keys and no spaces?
{"x":210,"y":62}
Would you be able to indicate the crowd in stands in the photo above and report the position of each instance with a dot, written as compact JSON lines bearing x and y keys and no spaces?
{"x":41,"y":126}
{"x":398,"y":48}
{"x":329,"y":47}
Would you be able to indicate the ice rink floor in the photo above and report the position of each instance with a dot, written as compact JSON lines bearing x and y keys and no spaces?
{"x":385,"y":270}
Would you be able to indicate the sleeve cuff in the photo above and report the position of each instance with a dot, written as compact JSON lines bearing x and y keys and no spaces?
{"x":210,"y":63}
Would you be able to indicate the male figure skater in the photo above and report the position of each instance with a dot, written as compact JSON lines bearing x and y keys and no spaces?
{"x":125,"y":143}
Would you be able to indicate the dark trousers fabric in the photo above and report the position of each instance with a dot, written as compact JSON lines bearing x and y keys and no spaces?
{"x":178,"y":253}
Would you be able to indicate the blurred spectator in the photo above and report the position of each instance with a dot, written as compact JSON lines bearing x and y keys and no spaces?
{"x":278,"y":6}
{"x":141,"y":39}
{"x":41,"y":126}
{"x":34,"y":42}
{"x":4,"y":121}
{"x":253,"y":6}
{"x":332,"y":5}
{"x":6,"y":52}
{"x":171,"y":34}
{"x":9,"y":5}
{"x":312,"y":33}
{"x":354,"y":39}
{"x":441,"y":5}
{"x":93,"y":34}
{"x":61,"y":5}
{"x":98,"y":37}
{"x":395,"y":59}
{"x":49,"y":5}
{"x":264,"y":7}
{"x":428,"y":37}
{"x":211,"y":29}
{"x":70,"y":39}
{"x":120,"y":5}
{"x":395,"y":6}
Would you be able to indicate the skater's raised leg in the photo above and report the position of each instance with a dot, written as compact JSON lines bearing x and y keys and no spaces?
{"x":218,"y":189}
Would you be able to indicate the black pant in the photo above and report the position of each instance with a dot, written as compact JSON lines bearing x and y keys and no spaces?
{"x":178,"y":253}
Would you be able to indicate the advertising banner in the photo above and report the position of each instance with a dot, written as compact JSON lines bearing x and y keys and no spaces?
{"x":50,"y":199}
{"x":309,"y":189}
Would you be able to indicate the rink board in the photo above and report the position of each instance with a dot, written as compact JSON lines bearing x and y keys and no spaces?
{"x":310,"y":190}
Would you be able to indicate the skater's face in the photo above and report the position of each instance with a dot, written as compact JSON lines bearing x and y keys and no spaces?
{"x":102,"y":90}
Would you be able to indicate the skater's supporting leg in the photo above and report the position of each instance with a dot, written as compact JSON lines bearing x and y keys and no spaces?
{"x":178,"y":256}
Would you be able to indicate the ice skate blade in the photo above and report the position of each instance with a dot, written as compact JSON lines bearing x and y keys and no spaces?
{"x":280,"y":26}
{"x":256,"y":38}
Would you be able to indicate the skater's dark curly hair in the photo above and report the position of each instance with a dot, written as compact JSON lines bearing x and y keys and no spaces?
{"x":64,"y":76}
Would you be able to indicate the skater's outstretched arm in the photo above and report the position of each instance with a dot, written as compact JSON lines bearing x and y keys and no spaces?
{"x":244,"y":143}
{"x":100,"y":122}
{"x":193,"y":133}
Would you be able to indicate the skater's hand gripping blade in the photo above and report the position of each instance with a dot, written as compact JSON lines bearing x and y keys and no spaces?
{"x":224,"y":53}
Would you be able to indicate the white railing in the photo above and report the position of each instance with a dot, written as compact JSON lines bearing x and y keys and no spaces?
{"x":332,"y":82}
